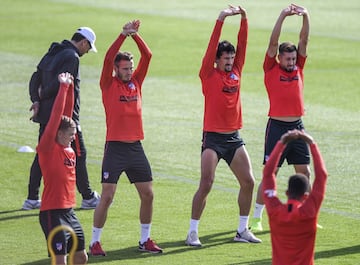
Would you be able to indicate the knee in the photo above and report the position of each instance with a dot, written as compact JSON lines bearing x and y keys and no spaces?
{"x":107,"y":198}
{"x":248,"y":183}
{"x":147,"y":195}
{"x":205,"y":185}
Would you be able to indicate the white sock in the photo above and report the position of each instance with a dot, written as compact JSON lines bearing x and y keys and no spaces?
{"x":194,"y":225}
{"x":145,"y":232}
{"x":243,"y":223}
{"x":258,"y":211}
{"x":96,"y":234}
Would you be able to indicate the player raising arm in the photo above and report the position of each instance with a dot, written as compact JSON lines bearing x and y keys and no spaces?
{"x":293,"y":224}
{"x":122,"y":100}
{"x":220,"y":75}
{"x":57,"y":161}
{"x":284,"y":82}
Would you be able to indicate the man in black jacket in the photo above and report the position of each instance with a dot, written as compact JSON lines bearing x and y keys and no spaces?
{"x":43,"y":88}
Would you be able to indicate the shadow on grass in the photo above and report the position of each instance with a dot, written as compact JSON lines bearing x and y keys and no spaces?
{"x":318,"y":255}
{"x":337,"y":252}
{"x":18,"y":216}
{"x":209,"y":241}
{"x":26,"y":213}
{"x":170,"y":248}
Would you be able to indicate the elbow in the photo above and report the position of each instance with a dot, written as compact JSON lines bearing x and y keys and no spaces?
{"x":149,"y":55}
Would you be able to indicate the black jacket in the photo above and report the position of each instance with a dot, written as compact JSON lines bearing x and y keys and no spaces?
{"x":44,"y":84}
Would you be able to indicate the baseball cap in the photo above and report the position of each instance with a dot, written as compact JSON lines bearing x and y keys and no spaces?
{"x":89,"y":34}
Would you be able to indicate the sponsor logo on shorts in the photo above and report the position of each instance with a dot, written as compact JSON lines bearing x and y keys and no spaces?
{"x":59,"y":246}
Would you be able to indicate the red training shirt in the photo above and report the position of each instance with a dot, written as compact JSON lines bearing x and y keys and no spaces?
{"x":221,"y":89}
{"x":293,"y":231}
{"x":122,"y":101}
{"x":284,"y":89}
{"x":57,"y":162}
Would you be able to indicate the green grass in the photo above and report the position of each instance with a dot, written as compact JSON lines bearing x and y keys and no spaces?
{"x":177,"y":33}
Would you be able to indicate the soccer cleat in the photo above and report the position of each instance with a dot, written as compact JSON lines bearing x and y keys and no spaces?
{"x":96,"y":249}
{"x":91,"y":203}
{"x":192,"y":239}
{"x":150,"y":246}
{"x":31,"y":204}
{"x":246,"y":236}
{"x":256,"y":225}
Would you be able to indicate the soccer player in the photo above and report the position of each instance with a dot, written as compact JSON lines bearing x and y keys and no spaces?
{"x":57,"y":161}
{"x":284,"y":82}
{"x":121,"y":95}
{"x":293,"y":224}
{"x":222,"y":120}
{"x":43,"y":88}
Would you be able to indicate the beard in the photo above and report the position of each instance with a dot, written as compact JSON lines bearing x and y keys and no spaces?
{"x":228,"y":68}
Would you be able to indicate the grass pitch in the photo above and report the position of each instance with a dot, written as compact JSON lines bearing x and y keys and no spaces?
{"x":177,"y":33}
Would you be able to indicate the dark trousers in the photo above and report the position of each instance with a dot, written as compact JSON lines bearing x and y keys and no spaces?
{"x":82,"y":178}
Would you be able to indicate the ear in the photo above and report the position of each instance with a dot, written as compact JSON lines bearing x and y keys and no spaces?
{"x":305,"y":196}
{"x":287,"y":193}
{"x":59,"y":135}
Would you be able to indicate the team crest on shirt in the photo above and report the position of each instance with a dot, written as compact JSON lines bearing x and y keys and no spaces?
{"x":59,"y":246}
{"x":69,"y":162}
{"x":234,"y":76}
{"x":270,"y":193}
{"x":106,"y":175}
{"x":131,"y":85}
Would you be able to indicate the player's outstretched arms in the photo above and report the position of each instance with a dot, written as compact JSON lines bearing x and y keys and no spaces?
{"x":232,"y":11}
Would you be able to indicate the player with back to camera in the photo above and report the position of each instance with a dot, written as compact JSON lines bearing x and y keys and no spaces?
{"x":284,"y":82}
{"x":222,"y":120}
{"x":43,"y":87}
{"x":57,"y":160}
{"x":293,"y":224}
{"x":122,"y":100}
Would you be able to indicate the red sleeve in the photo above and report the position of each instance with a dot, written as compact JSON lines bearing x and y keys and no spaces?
{"x":241,"y":46}
{"x":269,"y":62}
{"x":210,"y":54}
{"x":300,"y":61}
{"x":108,"y":66}
{"x":69,"y":104}
{"x":143,"y":66}
{"x":318,"y":189}
{"x":269,"y":177}
{"x":48,"y":138}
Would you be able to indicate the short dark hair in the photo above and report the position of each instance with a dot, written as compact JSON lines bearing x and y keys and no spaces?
{"x":66,"y":123}
{"x":287,"y":47}
{"x":123,"y":56}
{"x":298,"y":185}
{"x":77,"y":37}
{"x":224,"y":46}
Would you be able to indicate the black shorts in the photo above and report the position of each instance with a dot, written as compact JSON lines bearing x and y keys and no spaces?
{"x":128,"y":157}
{"x":296,"y":152}
{"x":225,"y":145}
{"x":62,"y":241}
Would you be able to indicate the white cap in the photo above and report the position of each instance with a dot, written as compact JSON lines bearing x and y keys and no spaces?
{"x":89,"y":34}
